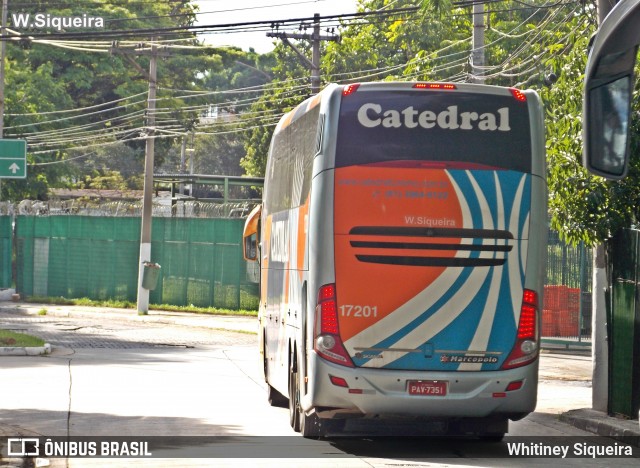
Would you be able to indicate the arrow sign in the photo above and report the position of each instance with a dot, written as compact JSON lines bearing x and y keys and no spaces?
{"x":13,"y":159}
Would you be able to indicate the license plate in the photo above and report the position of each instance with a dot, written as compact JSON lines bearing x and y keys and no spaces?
{"x":427,"y":387}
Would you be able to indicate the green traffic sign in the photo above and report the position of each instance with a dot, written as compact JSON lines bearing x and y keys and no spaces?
{"x":13,"y":159}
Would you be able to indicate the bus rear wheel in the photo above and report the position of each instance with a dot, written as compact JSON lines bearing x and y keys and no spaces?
{"x":294,"y":399}
{"x":309,"y":425}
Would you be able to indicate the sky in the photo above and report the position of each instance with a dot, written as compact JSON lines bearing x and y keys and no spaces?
{"x":240,"y":11}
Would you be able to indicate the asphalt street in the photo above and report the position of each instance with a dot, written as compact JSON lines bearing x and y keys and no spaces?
{"x":113,"y":372}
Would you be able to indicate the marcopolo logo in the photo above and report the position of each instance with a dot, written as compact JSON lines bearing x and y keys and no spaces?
{"x":48,"y":21}
{"x":373,"y":115}
{"x":468,"y":359}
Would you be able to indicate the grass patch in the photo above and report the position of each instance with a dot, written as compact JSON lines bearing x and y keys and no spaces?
{"x":12,"y":339}
{"x":132,"y":305}
{"x":203,"y":310}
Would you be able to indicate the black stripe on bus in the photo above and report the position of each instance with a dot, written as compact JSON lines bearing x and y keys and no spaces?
{"x":430,"y":232}
{"x":419,"y":246}
{"x":432,"y":261}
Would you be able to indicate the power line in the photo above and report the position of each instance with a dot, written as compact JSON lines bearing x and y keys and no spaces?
{"x":170,"y":127}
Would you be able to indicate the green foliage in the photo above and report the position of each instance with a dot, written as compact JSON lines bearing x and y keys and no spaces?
{"x":41,"y":78}
{"x":583,"y":207}
{"x":288,"y":90}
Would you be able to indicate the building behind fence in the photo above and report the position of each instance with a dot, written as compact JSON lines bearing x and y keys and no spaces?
{"x":93,"y":252}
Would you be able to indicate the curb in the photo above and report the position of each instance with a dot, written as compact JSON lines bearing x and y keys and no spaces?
{"x":6,"y":294}
{"x":25,"y":350}
{"x":597,"y":422}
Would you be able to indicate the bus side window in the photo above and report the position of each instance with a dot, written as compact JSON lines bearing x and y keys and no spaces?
{"x":251,"y":235}
{"x":251,"y":247}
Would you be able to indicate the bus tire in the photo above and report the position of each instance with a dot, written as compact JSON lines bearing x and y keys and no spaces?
{"x":294,"y":399}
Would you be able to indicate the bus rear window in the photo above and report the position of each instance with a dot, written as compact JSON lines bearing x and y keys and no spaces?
{"x":478,"y":130}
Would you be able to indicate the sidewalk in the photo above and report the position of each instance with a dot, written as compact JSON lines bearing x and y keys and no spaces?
{"x":243,"y":324}
{"x":599,"y":423}
{"x":586,"y":419}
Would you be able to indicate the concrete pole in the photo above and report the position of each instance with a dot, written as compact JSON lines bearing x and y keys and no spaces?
{"x":183,"y":161}
{"x":599,"y":338}
{"x":604,"y":8}
{"x":315,"y":59}
{"x":147,"y":201}
{"x":477,"y":53}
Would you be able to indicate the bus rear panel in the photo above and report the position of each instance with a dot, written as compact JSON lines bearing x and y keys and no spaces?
{"x":426,"y":231}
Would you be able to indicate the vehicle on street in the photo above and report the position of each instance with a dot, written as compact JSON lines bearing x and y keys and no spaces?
{"x":402,"y":249}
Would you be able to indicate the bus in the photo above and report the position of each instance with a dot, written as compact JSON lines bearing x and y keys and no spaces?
{"x":401,"y":243}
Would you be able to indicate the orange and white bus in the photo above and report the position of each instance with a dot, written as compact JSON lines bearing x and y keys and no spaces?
{"x":402,"y":245}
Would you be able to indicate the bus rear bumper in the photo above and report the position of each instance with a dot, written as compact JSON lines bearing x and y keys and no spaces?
{"x":385,"y":393}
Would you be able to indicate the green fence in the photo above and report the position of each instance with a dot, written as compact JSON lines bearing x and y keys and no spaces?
{"x":566,"y":315}
{"x":623,"y":323}
{"x":6,"y":233}
{"x":97,"y":257}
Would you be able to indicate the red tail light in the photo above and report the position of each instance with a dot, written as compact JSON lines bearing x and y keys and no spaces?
{"x":447,"y":86}
{"x":527,"y":328}
{"x":350,"y":89}
{"x":327,"y":342}
{"x":519,"y":95}
{"x":526,"y":348}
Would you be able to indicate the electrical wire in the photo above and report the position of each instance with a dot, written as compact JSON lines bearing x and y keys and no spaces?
{"x":170,"y":127}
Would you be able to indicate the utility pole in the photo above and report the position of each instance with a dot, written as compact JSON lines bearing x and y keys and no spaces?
{"x":147,"y":197}
{"x":183,"y":161}
{"x":604,"y":8}
{"x":477,"y":53}
{"x":147,"y":200}
{"x":315,"y":38}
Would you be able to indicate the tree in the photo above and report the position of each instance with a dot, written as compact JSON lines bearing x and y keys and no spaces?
{"x":290,"y":86}
{"x":220,"y":129}
{"x":51,"y":76}
{"x":584,"y":207}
